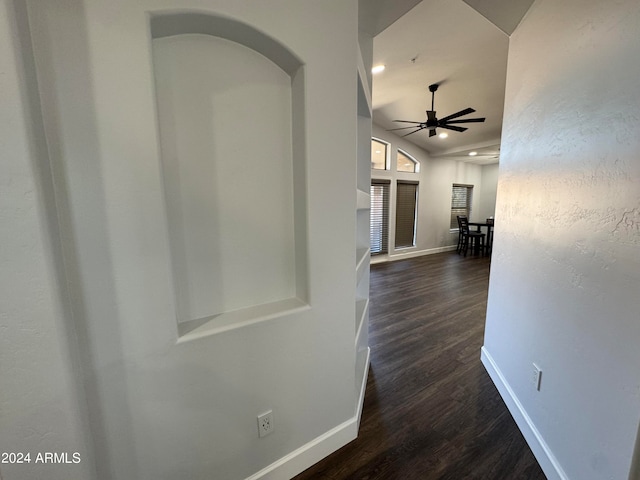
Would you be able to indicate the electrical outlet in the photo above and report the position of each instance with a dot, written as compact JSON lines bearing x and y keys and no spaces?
{"x":265,"y":424}
{"x":537,"y":376}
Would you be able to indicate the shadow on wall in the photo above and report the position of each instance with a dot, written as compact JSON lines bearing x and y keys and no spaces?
{"x":78,"y":182}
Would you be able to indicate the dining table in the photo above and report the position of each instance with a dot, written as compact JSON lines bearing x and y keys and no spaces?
{"x":488,"y":224}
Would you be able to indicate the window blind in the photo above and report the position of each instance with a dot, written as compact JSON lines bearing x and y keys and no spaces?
{"x":379,"y":216}
{"x":460,"y":202}
{"x":406,"y":195}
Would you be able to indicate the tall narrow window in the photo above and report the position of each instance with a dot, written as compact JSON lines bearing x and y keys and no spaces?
{"x":406,"y":163}
{"x":379,"y":216}
{"x":461,"y":197}
{"x":379,"y":155}
{"x":406,"y":197}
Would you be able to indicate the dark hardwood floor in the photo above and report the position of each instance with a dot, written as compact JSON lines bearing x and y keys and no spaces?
{"x":431,"y":410}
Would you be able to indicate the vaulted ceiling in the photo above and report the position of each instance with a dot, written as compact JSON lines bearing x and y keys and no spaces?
{"x":454,"y":44}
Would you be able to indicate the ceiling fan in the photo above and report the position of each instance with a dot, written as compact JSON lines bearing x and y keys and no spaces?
{"x":432,"y":122}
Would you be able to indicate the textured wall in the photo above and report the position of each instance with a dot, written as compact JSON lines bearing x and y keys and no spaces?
{"x":566,"y":267}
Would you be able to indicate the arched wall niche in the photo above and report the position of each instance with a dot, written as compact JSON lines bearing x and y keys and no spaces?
{"x":171,"y":23}
{"x":230,"y":103}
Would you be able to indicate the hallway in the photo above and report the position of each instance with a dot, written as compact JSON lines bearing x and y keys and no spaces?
{"x":431,"y":410}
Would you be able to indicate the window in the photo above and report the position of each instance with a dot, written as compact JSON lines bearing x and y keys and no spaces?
{"x":379,"y":216}
{"x":461,"y":197}
{"x":379,"y":154}
{"x":406,"y":196}
{"x":406,"y":163}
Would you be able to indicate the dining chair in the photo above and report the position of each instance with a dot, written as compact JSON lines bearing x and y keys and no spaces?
{"x":469,"y":238}
{"x":460,"y":234}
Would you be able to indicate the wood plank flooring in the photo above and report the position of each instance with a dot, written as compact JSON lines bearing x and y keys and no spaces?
{"x":431,"y":410}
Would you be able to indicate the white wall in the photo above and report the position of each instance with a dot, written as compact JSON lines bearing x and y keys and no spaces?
{"x":436,"y":178}
{"x":41,"y":404}
{"x":212,"y":95}
{"x":487,"y":196}
{"x":156,"y":409}
{"x":565,"y":274}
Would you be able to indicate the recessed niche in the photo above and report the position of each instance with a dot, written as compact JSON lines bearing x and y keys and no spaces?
{"x":232,"y":151}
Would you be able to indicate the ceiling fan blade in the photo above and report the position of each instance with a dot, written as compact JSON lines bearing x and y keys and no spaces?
{"x":466,"y":111}
{"x":401,"y":128}
{"x":406,"y":121}
{"x":467,"y":120}
{"x":416,"y":130}
{"x":432,"y":132}
{"x":453,"y":127}
{"x":431,"y":115}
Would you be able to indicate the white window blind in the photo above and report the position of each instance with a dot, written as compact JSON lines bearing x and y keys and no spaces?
{"x":379,"y":216}
{"x":461,"y":196}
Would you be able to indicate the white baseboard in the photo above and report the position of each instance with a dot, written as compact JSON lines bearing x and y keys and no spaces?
{"x":411,"y":254}
{"x":363,"y":388}
{"x":539,"y":447}
{"x":311,"y":453}
{"x":299,"y":460}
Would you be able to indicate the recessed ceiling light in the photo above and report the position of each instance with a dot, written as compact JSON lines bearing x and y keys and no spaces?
{"x":443,"y":135}
{"x":378,"y":69}
{"x":473,"y":154}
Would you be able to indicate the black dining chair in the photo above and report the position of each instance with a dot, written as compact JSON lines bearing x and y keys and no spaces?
{"x":460,"y":234}
{"x":469,"y":238}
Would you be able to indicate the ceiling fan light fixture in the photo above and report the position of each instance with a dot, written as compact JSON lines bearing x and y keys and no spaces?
{"x":450,"y":122}
{"x":378,"y":69}
{"x":443,"y":135}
